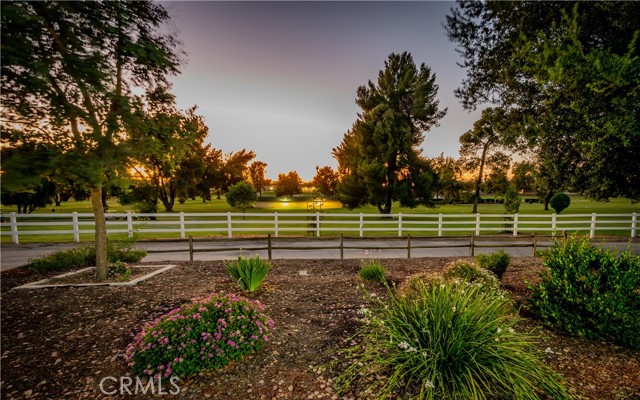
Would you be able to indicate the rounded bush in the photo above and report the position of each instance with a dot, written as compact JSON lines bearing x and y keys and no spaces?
{"x":469,"y":271}
{"x":559,"y":202}
{"x":205,"y":334}
{"x":446,"y":340}
{"x":590,"y":291}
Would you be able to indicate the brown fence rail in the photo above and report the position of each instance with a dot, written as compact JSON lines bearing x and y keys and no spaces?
{"x":341,"y":243}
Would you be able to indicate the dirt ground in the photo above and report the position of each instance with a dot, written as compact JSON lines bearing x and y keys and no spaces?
{"x":60,"y":343}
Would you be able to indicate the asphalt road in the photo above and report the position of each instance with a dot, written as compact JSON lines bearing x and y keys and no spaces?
{"x":14,"y":256}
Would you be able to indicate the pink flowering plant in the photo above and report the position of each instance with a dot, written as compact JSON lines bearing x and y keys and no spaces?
{"x":205,"y":334}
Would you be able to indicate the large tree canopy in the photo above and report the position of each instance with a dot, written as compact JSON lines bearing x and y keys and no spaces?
{"x":163,"y":143}
{"x":379,"y":158}
{"x":571,"y":70}
{"x":326,"y":180}
{"x":73,"y":66}
{"x":26,"y":181}
{"x":257,"y":170}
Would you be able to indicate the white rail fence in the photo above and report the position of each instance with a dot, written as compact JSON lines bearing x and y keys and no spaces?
{"x":73,"y":225}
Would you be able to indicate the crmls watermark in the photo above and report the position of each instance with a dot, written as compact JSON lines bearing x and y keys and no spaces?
{"x":111,"y":385}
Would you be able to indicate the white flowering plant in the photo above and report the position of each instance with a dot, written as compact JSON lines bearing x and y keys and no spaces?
{"x":445,"y":339}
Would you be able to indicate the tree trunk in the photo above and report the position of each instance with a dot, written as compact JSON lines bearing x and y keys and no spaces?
{"x":168,"y":205}
{"x":103,"y":198}
{"x":476,"y":198}
{"x":102,"y":241}
{"x":387,"y":205}
{"x":392,"y":165}
{"x":547,"y":198}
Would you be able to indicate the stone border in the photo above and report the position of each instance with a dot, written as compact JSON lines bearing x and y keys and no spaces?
{"x":43,"y":283}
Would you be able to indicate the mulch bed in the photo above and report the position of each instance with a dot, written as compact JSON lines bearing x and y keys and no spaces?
{"x":88,"y":276}
{"x":60,"y":343}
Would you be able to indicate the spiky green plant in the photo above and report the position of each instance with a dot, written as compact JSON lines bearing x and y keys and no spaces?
{"x":445,"y":340}
{"x":249,"y":273}
{"x":372,"y":270}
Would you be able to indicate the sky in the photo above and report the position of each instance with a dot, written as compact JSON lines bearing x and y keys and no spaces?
{"x":280,"y":78}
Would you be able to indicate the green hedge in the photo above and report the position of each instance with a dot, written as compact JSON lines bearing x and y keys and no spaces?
{"x":590,"y":291}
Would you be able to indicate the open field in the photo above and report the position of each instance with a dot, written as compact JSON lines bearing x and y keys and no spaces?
{"x":300,"y":203}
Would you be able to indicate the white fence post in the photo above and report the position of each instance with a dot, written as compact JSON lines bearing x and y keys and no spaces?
{"x":76,"y":228}
{"x":129,"y":224}
{"x":182,"y":231}
{"x":14,"y":228}
{"x":12,"y":224}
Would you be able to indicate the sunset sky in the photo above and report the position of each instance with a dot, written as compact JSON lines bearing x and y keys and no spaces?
{"x":281,"y":78}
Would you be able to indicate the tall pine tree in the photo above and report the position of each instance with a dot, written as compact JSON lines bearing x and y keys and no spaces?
{"x":379,"y":158}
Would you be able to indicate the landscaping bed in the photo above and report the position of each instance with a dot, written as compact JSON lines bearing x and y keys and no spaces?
{"x":123,"y":276}
{"x":61,"y":342}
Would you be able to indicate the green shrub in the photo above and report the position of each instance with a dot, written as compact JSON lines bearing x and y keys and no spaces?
{"x":67,"y":259}
{"x":589,"y":291}
{"x":559,"y":202}
{"x":120,"y":271}
{"x":496,"y":262}
{"x":248,"y":272}
{"x":205,"y":334}
{"x":86,"y":257}
{"x":123,"y":250}
{"x":372,"y":270}
{"x":468,"y":271}
{"x":241,"y":195}
{"x":447,"y":340}
{"x":512,"y":200}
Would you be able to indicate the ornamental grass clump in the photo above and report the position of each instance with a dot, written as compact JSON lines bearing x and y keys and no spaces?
{"x":248,"y":273}
{"x":445,"y":340}
{"x":372,"y":270}
{"x":496,"y":262}
{"x":590,"y":291}
{"x":205,"y":334}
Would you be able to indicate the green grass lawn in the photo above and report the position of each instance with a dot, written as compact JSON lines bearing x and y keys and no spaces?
{"x":579,"y":205}
{"x":331,"y":211}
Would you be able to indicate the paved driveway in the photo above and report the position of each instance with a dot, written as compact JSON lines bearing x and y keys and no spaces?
{"x":14,"y":256}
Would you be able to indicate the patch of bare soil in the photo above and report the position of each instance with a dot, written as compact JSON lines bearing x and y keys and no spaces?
{"x":60,"y":343}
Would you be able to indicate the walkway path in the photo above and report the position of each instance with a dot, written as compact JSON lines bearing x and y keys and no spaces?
{"x":14,"y":256}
